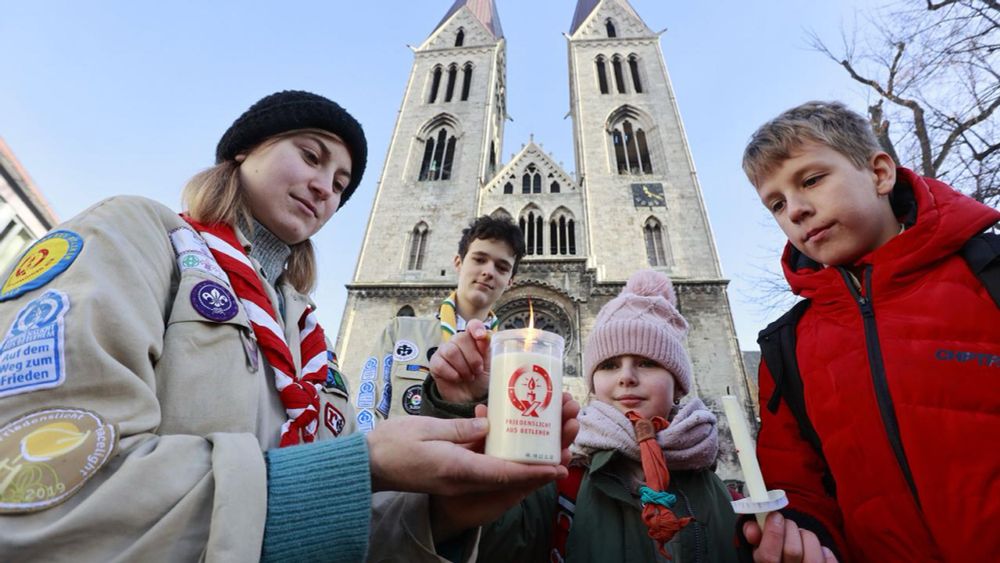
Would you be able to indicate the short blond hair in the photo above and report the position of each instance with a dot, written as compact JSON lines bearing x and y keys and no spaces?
{"x":827,"y":123}
{"x":216,"y":196}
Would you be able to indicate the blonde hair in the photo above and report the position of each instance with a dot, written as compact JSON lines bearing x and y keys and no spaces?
{"x":827,"y":123}
{"x":216,"y":196}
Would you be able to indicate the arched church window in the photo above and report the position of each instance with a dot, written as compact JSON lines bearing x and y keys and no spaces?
{"x":493,"y":160}
{"x":418,"y":246}
{"x":602,"y":75}
{"x":406,"y":311}
{"x":633,"y":67}
{"x":508,"y":188}
{"x":435,"y":84}
{"x":554,"y":187}
{"x":460,"y":37}
{"x":439,"y":156}
{"x":466,"y":80}
{"x":657,"y":248}
{"x":609,"y":26}
{"x":616,"y":66}
{"x":450,"y":89}
{"x":562,"y":229}
{"x":531,"y":225}
{"x":631,"y":150}
{"x":526,"y":183}
{"x":536,"y":183}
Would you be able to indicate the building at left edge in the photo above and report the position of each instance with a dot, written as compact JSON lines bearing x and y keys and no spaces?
{"x":25,"y":215}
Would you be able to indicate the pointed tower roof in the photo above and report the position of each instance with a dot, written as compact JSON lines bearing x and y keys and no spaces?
{"x":484,"y":10}
{"x":586,"y":7}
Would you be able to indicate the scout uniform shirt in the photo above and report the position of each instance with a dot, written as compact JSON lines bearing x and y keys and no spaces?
{"x":132,"y":424}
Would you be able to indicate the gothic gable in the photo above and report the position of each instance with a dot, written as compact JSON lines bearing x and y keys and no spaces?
{"x":475,"y":33}
{"x":532,"y":156}
{"x":626,"y":21}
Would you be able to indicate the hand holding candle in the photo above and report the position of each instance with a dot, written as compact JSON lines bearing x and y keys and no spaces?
{"x":761,"y":500}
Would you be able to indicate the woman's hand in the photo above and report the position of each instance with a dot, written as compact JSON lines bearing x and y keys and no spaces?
{"x":437,"y":456}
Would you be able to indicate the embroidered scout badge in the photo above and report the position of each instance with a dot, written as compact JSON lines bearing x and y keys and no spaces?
{"x":383,"y":404}
{"x":405,"y":351}
{"x":44,"y":260}
{"x":334,"y":379}
{"x":213,"y":301}
{"x":47,"y":455}
{"x":366,"y":395}
{"x":366,"y":421}
{"x":334,"y":419}
{"x":31,"y":354}
{"x":412,"y":397}
{"x":193,"y":253}
{"x":370,"y":369}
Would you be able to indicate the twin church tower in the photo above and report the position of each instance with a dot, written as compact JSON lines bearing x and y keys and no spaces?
{"x":633,"y":203}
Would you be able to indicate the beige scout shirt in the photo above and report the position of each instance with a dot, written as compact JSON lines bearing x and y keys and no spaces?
{"x":393,"y":374}
{"x":193,"y":402}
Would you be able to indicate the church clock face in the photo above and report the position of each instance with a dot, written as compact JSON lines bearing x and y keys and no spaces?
{"x":648,"y":195}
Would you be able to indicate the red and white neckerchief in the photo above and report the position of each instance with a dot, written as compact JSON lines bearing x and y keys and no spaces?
{"x":297,"y":390}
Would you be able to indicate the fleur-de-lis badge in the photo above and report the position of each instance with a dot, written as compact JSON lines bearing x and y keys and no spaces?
{"x":216,"y":298}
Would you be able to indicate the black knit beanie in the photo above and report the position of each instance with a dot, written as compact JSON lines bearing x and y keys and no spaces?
{"x":290,"y":110}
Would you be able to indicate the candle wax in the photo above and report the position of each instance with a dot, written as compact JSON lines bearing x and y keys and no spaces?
{"x":525,"y":407}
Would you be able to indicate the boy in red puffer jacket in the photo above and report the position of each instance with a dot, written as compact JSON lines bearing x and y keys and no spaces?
{"x":894,"y":358}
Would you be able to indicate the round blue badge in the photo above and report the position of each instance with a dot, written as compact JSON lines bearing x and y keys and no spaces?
{"x":214,"y":301}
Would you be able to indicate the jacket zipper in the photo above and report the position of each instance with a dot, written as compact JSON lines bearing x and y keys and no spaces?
{"x":879,"y":382}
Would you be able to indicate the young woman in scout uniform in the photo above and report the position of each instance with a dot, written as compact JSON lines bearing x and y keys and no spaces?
{"x":167,"y":389}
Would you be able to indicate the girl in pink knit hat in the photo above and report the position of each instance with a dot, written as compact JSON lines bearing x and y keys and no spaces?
{"x":641,"y":485}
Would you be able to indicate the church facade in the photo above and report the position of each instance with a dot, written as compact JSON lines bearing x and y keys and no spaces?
{"x":634,"y":201}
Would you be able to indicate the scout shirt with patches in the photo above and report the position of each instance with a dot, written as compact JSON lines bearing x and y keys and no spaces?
{"x":401,"y":359}
{"x":193,"y":402}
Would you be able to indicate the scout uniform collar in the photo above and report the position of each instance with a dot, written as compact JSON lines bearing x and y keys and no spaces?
{"x":452,"y":323}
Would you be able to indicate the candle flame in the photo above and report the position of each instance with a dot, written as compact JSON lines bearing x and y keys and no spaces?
{"x":531,"y":327}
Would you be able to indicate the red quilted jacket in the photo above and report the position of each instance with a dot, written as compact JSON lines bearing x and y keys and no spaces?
{"x":902,"y":384}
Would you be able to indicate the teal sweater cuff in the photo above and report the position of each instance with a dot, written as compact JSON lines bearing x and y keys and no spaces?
{"x":318,"y":501}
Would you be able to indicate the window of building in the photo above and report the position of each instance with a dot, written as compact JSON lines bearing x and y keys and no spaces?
{"x":418,"y":246}
{"x":657,"y":249}
{"x":460,"y":37}
{"x":609,"y":26}
{"x":466,"y":81}
{"x":439,"y":155}
{"x":406,"y":311}
{"x":435,"y":84}
{"x":629,"y":145}
{"x":508,"y":188}
{"x":602,"y":75}
{"x":562,"y":233}
{"x":450,"y":89}
{"x":633,"y":66}
{"x":616,"y":66}
{"x":554,"y":187}
{"x":531,"y":225}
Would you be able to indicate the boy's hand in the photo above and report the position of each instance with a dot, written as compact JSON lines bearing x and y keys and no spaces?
{"x":783,"y":542}
{"x":461,"y":366}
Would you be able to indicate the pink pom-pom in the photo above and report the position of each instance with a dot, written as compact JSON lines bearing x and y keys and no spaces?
{"x":650,"y":283}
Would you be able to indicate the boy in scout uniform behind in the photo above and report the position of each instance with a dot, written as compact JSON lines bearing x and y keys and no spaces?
{"x":392,"y":379}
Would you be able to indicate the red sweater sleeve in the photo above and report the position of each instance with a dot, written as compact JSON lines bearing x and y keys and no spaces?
{"x":789,"y":462}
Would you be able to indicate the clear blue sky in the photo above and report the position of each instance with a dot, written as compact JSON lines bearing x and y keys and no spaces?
{"x":105,"y":98}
